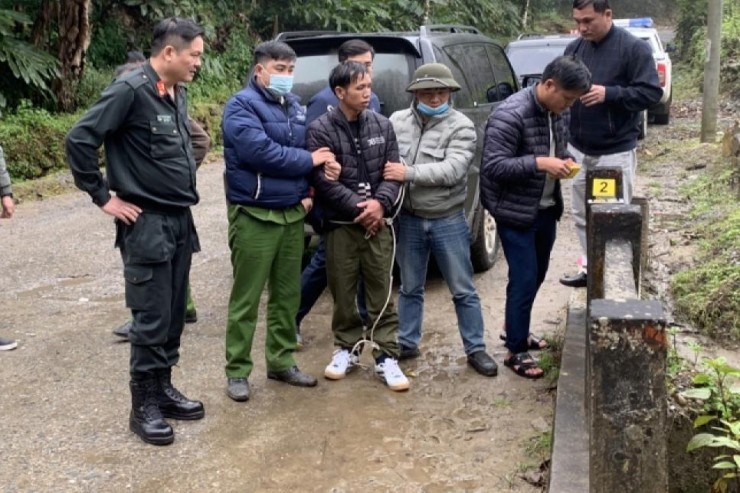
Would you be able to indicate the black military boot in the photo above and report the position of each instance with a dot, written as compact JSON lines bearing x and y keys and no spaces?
{"x":172,"y":403}
{"x":146,"y":419}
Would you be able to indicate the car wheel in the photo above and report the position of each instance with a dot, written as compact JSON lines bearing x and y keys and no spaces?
{"x":485,"y":248}
{"x":643,"y":125}
{"x":664,"y":117}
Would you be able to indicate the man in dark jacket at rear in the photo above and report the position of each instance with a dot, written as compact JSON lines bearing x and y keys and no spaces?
{"x":524,"y":158}
{"x":358,"y":239}
{"x":604,"y":122}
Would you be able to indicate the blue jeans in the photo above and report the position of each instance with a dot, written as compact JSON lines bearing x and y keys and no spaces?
{"x":313,"y":283}
{"x":448,"y":239}
{"x":527,"y":252}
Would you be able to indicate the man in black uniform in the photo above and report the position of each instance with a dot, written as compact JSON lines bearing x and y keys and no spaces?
{"x":142,"y":120}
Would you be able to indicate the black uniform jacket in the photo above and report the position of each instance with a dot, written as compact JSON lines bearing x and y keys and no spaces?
{"x":148,"y":147}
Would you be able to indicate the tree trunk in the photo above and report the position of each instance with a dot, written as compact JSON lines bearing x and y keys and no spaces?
{"x":74,"y":38}
{"x":42,"y":24}
{"x":526,"y":14}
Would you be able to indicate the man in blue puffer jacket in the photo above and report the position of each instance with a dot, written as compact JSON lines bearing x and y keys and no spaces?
{"x":524,"y":157}
{"x":268,"y":196}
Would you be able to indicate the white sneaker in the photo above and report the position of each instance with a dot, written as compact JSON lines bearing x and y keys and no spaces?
{"x":342,"y":362}
{"x":389,"y":372}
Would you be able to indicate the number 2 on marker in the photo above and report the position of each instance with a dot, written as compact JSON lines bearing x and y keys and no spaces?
{"x":604,"y":188}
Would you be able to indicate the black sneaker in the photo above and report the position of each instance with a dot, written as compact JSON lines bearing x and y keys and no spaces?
{"x":191,"y":317}
{"x":408,"y":353}
{"x":7,"y":344}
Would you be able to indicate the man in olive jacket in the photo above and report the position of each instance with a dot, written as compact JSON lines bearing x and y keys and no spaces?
{"x":142,"y":119}
{"x":438,"y":144}
{"x":355,"y":208}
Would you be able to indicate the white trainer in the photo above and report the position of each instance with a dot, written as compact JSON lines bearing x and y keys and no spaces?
{"x":342,"y":362}
{"x":389,"y":372}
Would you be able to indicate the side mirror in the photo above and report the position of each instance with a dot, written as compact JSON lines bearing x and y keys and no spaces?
{"x":530,"y":80}
{"x":492,"y":95}
{"x":499,"y":92}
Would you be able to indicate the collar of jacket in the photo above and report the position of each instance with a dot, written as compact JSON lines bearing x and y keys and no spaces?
{"x":533,"y":95}
{"x":338,"y":116}
{"x":609,"y":34}
{"x":155,"y":79}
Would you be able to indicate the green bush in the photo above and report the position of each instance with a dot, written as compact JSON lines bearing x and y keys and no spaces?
{"x":33,"y":141}
{"x":92,"y":84}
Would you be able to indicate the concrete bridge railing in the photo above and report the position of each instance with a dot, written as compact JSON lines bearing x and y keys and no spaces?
{"x":621,"y":340}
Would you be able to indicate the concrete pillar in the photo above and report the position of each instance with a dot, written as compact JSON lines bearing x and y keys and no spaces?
{"x":607,"y":222}
{"x":627,"y":418}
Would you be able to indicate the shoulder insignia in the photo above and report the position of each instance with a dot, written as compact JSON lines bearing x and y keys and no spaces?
{"x":136,"y":79}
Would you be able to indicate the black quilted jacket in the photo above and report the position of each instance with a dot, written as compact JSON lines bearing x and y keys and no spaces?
{"x":377,"y":146}
{"x":516,"y":133}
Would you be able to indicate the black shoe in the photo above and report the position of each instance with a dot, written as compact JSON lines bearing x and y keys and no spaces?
{"x":482,"y":362}
{"x":408,"y":353}
{"x":191,"y":317}
{"x":237,"y":389}
{"x":146,"y":419}
{"x":172,"y":404}
{"x":293,"y":376}
{"x":123,"y":330}
{"x":578,"y":281}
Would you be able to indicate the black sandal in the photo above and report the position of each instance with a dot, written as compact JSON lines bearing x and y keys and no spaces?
{"x":523,"y":362}
{"x":533,"y":342}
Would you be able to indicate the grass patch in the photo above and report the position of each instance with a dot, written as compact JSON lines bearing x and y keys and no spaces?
{"x":549,"y":359}
{"x":708,"y":294}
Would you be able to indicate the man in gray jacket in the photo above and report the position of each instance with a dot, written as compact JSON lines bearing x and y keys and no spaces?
{"x":437,"y":143}
{"x":8,"y":208}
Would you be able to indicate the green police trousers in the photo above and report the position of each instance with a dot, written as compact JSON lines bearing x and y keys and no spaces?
{"x":262,"y":252}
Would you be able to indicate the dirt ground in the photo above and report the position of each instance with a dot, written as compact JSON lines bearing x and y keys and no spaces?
{"x":64,"y":398}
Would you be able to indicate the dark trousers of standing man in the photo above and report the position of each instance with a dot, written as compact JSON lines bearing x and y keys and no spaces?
{"x":527,"y":252}
{"x":156,"y":250}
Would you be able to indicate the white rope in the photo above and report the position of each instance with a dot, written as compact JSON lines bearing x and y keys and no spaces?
{"x":357,"y":348}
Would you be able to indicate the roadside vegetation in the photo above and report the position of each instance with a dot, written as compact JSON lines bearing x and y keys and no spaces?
{"x":49,"y":74}
{"x":708,"y":293}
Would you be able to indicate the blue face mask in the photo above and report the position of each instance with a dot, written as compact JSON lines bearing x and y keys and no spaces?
{"x":281,"y":84}
{"x":427,"y":110}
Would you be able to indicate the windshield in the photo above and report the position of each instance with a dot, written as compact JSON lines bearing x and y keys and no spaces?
{"x":391,"y":74}
{"x":530,"y":60}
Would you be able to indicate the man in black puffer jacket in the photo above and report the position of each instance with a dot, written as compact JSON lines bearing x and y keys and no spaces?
{"x":355,"y":207}
{"x":524,"y":157}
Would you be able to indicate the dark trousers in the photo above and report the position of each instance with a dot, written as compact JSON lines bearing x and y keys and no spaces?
{"x":313,"y":283}
{"x":156,"y":251}
{"x":527,"y":252}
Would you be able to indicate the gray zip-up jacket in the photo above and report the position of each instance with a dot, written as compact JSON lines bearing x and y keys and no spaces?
{"x":5,"y":188}
{"x":438,"y":154}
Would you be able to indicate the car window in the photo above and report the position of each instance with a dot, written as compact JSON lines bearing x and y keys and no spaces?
{"x":505,"y":79}
{"x":392,"y":72}
{"x":472,"y":60}
{"x":462,"y":98}
{"x":530,"y":60}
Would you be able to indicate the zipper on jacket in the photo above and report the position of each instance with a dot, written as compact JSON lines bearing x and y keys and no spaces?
{"x":259,"y":186}
{"x":416,"y":155}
